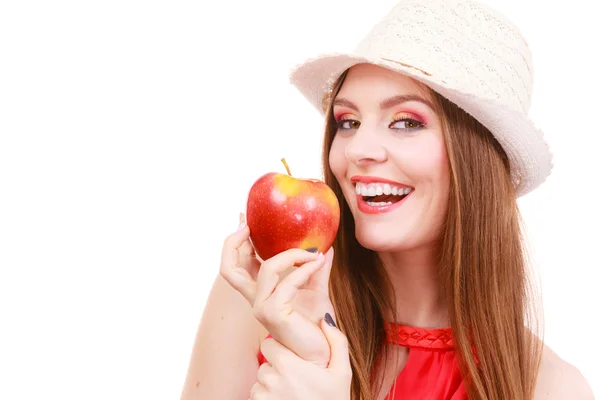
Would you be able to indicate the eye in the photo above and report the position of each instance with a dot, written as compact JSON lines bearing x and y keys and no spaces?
{"x":346,"y":124}
{"x":409,"y":124}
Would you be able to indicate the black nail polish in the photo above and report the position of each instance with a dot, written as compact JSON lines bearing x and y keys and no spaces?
{"x":312,"y":249}
{"x":329,"y":320}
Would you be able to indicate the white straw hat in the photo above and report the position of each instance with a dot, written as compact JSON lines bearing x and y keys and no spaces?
{"x":467,"y":52}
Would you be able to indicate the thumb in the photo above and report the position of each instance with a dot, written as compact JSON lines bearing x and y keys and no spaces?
{"x":338,"y":342}
{"x":320,"y":279}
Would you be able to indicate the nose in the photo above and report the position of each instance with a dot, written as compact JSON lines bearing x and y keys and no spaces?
{"x":365,"y":147}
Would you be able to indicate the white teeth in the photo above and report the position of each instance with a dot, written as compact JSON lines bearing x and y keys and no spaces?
{"x":377,"y":189}
{"x":379,"y":203}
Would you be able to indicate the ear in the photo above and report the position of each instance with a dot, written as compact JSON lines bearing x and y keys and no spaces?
{"x":319,"y":281}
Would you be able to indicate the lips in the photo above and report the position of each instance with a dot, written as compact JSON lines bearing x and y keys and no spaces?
{"x":375,"y":195}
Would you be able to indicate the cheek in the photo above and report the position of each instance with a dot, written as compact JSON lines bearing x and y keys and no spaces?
{"x":433,"y":165}
{"x":426,"y":161}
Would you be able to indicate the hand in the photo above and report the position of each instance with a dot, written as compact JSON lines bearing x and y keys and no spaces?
{"x":291,"y":309}
{"x":287,"y":376}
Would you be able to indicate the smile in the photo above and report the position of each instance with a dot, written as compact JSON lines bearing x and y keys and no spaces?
{"x":376,"y":198}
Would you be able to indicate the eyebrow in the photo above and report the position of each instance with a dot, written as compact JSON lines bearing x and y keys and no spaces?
{"x":387,"y":103}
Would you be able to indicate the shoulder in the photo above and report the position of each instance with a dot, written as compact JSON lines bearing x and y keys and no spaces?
{"x":558,"y":380}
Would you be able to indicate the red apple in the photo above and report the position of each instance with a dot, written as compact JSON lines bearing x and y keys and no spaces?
{"x":284,"y":212}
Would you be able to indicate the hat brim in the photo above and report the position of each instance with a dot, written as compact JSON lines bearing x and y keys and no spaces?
{"x":528,"y":152}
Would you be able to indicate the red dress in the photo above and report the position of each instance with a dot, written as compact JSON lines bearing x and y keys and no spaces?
{"x":431,"y":371}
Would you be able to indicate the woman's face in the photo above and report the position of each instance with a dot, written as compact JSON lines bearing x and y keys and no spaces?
{"x":390,"y":149}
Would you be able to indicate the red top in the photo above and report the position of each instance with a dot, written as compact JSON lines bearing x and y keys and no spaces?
{"x":431,"y":371}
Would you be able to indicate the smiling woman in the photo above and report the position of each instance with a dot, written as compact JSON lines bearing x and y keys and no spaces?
{"x":423,"y":244}
{"x":426,"y":292}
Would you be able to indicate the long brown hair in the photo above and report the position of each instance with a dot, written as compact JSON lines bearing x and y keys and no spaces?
{"x":483,"y":267}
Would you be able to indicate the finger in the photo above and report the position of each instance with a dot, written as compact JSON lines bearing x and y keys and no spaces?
{"x":338,"y":343}
{"x":249,"y":260}
{"x":268,"y":275}
{"x":286,"y":290}
{"x":276,"y":354}
{"x":289,"y":327}
{"x":267,"y":376}
{"x":247,"y":254}
{"x":258,"y":392}
{"x":232,"y":269}
{"x":319,"y":281}
{"x":247,"y":248}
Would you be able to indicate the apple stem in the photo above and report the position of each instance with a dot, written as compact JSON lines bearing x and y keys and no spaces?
{"x":287,"y":168}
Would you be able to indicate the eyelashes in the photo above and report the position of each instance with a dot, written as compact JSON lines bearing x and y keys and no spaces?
{"x":409,"y":124}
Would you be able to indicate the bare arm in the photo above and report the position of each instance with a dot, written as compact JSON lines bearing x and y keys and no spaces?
{"x":224,"y":362}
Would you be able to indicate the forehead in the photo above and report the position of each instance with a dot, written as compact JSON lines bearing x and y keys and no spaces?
{"x":369,"y":82}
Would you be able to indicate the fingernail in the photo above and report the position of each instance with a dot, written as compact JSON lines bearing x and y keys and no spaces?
{"x":329,"y":320}
{"x":320,"y":255}
{"x":242,"y":225}
{"x":312,"y":250}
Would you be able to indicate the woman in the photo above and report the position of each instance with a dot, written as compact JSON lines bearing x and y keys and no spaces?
{"x":425,"y":293}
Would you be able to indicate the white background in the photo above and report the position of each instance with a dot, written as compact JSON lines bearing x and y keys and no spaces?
{"x":131,"y":131}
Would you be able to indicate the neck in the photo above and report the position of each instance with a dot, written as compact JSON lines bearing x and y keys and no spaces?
{"x":414,"y":277}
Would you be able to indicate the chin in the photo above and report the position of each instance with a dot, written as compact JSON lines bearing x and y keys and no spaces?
{"x":379,"y":239}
